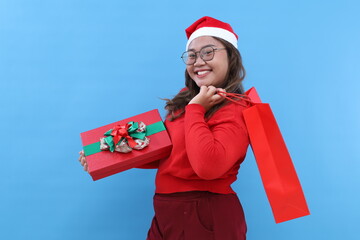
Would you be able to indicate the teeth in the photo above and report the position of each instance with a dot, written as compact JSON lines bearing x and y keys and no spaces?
{"x":202,"y":72}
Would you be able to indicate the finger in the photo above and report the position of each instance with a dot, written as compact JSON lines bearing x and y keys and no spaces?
{"x":85,"y":167}
{"x":216,"y":98}
{"x":220,"y":99}
{"x":83,"y":161}
{"x":203,"y":89}
{"x":81,"y":154}
{"x":221,"y":92}
{"x":211,"y":90}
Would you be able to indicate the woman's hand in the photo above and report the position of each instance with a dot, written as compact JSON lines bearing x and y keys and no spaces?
{"x":208,"y":97}
{"x":82,"y":160}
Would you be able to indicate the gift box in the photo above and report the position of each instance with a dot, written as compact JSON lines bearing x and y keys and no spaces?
{"x":139,"y":144}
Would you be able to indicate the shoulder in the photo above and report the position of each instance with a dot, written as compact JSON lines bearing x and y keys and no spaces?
{"x":184,"y":89}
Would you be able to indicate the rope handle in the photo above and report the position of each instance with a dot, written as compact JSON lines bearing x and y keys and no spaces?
{"x":235,"y":97}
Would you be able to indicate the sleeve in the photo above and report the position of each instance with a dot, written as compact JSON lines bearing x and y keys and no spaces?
{"x":213,"y":148}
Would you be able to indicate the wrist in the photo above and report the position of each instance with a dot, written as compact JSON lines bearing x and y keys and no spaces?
{"x":195,"y":107}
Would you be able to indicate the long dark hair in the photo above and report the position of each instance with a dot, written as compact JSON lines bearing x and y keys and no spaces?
{"x":233,"y":83}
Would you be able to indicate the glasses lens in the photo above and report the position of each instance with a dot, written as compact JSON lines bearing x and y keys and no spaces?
{"x":189,"y":57}
{"x":207,"y":53}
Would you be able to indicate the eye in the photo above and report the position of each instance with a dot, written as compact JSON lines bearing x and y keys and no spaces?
{"x":207,"y":51}
{"x":191,"y":55}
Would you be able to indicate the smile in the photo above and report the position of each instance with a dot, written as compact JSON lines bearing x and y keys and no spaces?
{"x":202,"y":73}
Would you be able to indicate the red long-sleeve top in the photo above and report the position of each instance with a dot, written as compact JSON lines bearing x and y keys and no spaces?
{"x":206,"y":154}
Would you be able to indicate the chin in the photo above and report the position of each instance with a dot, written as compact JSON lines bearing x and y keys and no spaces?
{"x":202,"y":83}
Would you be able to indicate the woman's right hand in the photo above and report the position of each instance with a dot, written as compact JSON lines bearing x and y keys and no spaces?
{"x":208,"y":97}
{"x":82,"y":160}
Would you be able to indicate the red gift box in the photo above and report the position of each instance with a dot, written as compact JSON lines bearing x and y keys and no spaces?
{"x":105,"y":163}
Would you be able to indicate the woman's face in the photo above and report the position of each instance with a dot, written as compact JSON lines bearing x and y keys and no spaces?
{"x":209,"y":73}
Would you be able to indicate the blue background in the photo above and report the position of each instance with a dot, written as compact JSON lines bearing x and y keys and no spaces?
{"x":70,"y":66}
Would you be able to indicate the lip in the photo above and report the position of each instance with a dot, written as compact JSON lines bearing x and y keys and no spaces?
{"x":202,"y":70}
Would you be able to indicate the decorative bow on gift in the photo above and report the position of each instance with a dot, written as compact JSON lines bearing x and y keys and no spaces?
{"x":124,"y":138}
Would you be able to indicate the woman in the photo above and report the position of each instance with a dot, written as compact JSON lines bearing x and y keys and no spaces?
{"x":194,"y":199}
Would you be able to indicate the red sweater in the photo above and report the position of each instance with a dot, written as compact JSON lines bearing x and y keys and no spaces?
{"x":206,"y":155}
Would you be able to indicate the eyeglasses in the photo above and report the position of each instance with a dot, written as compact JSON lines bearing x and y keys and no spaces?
{"x":206,"y":53}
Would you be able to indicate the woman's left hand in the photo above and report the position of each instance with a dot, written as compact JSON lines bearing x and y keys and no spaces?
{"x":208,"y":97}
{"x":83,"y":161}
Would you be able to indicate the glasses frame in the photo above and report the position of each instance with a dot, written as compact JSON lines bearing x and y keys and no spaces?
{"x":197,"y":53}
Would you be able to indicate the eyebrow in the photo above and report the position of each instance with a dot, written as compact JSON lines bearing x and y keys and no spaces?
{"x":209,"y":45}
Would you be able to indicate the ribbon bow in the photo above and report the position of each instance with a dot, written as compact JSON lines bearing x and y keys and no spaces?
{"x":123,"y":134}
{"x":122,"y":131}
{"x":128,"y":132}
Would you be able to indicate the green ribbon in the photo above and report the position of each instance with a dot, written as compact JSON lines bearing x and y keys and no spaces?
{"x":150,"y":130}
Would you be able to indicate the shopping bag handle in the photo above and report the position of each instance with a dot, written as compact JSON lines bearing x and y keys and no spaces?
{"x":236,"y":98}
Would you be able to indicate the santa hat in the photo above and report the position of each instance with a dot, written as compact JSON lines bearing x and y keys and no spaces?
{"x":208,"y":26}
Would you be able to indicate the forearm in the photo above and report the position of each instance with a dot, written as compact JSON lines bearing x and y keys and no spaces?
{"x":212,"y":151}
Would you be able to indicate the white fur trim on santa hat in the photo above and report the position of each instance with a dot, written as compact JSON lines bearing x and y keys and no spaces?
{"x":214,"y":32}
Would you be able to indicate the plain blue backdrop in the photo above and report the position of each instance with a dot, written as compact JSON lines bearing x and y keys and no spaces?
{"x":68,"y":66}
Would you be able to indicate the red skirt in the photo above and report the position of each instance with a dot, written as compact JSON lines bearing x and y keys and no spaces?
{"x":197,"y":216}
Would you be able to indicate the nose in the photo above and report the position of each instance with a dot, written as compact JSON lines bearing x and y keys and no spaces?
{"x":199,"y":61}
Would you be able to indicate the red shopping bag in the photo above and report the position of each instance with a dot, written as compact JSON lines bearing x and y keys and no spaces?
{"x":277,"y":171}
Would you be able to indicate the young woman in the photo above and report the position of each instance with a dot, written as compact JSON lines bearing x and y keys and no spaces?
{"x":194,"y":199}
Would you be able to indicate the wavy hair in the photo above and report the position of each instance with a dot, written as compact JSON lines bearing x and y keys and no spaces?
{"x":233,"y":83}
